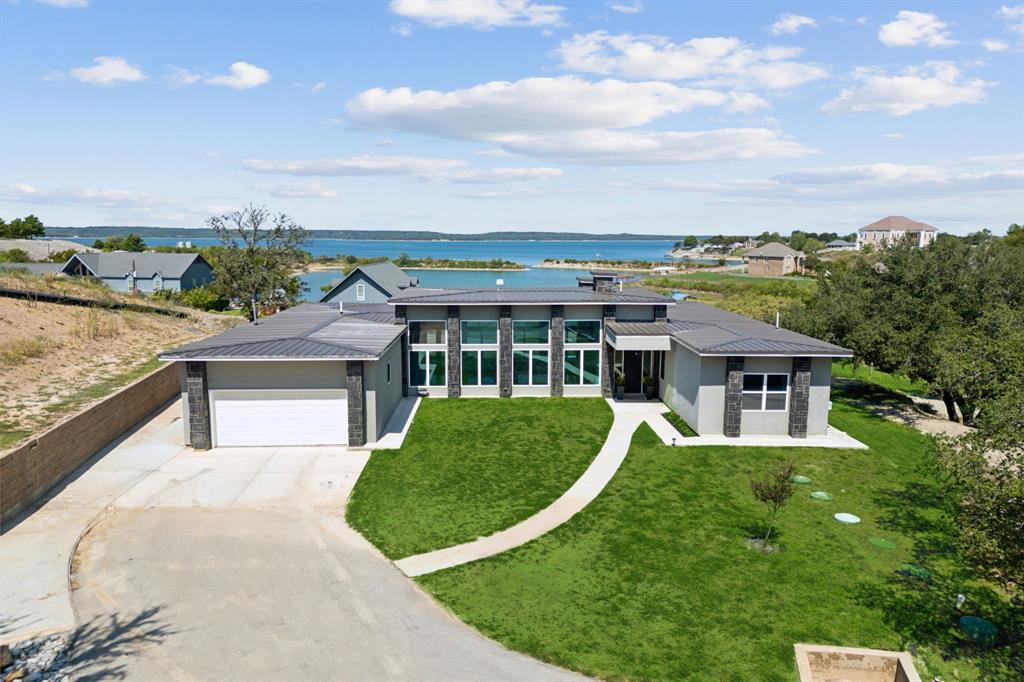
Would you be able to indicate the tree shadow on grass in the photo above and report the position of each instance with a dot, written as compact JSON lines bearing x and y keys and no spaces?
{"x":98,"y":647}
{"x":923,"y":611}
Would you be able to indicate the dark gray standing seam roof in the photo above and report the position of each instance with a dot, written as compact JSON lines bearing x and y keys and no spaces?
{"x":711,"y":331}
{"x":308,"y":331}
{"x":538,"y":295}
{"x":117,"y":264}
{"x":387,"y":276}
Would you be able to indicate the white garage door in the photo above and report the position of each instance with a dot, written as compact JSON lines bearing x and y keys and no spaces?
{"x":299,"y":417}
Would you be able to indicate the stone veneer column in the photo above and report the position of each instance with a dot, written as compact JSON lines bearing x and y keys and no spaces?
{"x":607,"y":354}
{"x":505,"y":351}
{"x":198,"y":405}
{"x":401,"y":313}
{"x":557,"y":354}
{"x":733,"y":396}
{"x":454,"y":335}
{"x":799,"y":397}
{"x":356,"y":402}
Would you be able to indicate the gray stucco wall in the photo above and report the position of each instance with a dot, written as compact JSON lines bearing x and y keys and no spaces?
{"x":821,"y":395}
{"x":382,"y":396}
{"x":643,"y":313}
{"x":766,"y":423}
{"x":346,"y":292}
{"x":711,"y":402}
{"x":680,"y":389}
{"x":276,"y":374}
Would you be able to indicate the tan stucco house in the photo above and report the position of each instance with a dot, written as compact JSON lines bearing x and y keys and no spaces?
{"x":774,"y":259}
{"x":893,"y":228}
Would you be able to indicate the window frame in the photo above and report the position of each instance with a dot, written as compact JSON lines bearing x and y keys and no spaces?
{"x":480,"y":366}
{"x":532,"y":344}
{"x":360,"y":291}
{"x":478,"y":344}
{"x":387,"y":372}
{"x":443,"y":343}
{"x":764,"y":392}
{"x":529,"y":372}
{"x":582,"y":350}
{"x":600,"y":333}
{"x":429,"y":351}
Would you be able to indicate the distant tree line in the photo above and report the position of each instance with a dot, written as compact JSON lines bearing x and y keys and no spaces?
{"x":22,"y":228}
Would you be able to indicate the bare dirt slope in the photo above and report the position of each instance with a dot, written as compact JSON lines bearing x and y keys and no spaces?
{"x":55,"y":359}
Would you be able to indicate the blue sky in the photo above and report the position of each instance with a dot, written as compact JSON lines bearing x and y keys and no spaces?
{"x":469,"y":116}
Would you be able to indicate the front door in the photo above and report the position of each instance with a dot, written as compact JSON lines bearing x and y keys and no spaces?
{"x":633,"y":367}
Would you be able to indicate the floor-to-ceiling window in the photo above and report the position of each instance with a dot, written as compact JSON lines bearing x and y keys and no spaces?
{"x":479,"y":352}
{"x":582,"y":364}
{"x":530,"y":339}
{"x":427,"y":355}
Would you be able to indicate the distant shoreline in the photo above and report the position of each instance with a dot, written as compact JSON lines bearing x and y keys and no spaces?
{"x":327,"y":267}
{"x":184,"y":234}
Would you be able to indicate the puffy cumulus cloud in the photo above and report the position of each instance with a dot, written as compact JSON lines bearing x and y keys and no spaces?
{"x":791,"y":23}
{"x":481,"y":15}
{"x":861,"y":182}
{"x":297,"y":190}
{"x":418,"y":168}
{"x":915,"y":28}
{"x":531,"y":104}
{"x":241,"y":76}
{"x":993,"y":45}
{"x":933,"y":85}
{"x":1014,"y":15}
{"x":107,"y":71}
{"x":713,"y":62}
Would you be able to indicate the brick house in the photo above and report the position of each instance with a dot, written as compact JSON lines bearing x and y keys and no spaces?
{"x":774,"y":259}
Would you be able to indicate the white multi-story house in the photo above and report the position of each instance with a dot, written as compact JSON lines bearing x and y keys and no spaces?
{"x":891,"y":229}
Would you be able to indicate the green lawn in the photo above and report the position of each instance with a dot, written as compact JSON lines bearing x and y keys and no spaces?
{"x":893,"y":382}
{"x":473,"y":467}
{"x":653,"y":580}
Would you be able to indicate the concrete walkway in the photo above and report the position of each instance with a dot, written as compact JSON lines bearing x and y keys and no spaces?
{"x":833,"y":439}
{"x":628,"y":416}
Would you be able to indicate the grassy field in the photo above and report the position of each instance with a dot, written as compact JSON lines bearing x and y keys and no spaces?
{"x":753,"y":296}
{"x":654,"y":581}
{"x":893,"y":382}
{"x":472,"y":467}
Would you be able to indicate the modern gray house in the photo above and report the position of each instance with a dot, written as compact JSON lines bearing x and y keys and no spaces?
{"x":373,"y":283}
{"x":144,"y":271}
{"x":326,"y":374}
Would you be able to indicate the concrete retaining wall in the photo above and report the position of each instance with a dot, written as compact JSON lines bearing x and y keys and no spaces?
{"x":28,"y":471}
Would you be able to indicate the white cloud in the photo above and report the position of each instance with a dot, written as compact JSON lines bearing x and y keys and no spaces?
{"x":627,"y":6}
{"x":712,"y":61}
{"x":113,"y":198}
{"x":403,"y":29}
{"x":861,"y":182}
{"x":65,"y":4}
{"x":915,"y":28}
{"x":481,"y":15}
{"x":179,"y":76}
{"x":1014,"y":160}
{"x":107,"y":71}
{"x":419,"y":168}
{"x":993,"y":45}
{"x":934,"y":85}
{"x":791,"y":23}
{"x":1014,"y":16}
{"x":499,"y":153}
{"x":242,"y":76}
{"x":541,"y":105}
{"x":298,"y":190}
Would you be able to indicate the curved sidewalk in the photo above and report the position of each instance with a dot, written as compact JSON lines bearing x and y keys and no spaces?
{"x":628,"y":416}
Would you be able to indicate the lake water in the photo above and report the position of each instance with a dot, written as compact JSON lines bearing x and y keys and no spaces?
{"x":527,"y":253}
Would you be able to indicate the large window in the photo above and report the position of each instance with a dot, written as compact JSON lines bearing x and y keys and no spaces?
{"x":765,"y":392}
{"x":529,"y":331}
{"x":426,"y":368}
{"x":479,"y":368}
{"x":479,"y":331}
{"x":582,"y":331}
{"x":530,"y":367}
{"x":426,"y":332}
{"x":582,"y":367}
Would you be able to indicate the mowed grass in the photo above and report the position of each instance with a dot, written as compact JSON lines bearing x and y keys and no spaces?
{"x":654,"y":581}
{"x":894,"y":382}
{"x":473,"y":467}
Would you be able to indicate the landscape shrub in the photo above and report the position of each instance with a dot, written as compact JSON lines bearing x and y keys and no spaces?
{"x":22,"y":349}
{"x":204,"y":298}
{"x":14,"y":256}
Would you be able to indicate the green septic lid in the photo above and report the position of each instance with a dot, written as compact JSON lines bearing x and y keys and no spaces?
{"x":915,"y":571}
{"x":821,"y":495}
{"x":979,"y":630}
{"x":802,"y":480}
{"x":843,"y":517}
{"x":882,"y":543}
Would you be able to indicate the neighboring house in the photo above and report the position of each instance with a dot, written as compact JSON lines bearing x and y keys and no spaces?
{"x":893,"y":228}
{"x":774,"y":259}
{"x":604,"y":280}
{"x":373,"y":283}
{"x":144,"y":271}
{"x":317,"y":375}
{"x":839,"y":245}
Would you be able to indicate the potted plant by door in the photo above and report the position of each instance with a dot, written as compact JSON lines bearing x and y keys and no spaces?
{"x":650,"y":387}
{"x":620,"y":385}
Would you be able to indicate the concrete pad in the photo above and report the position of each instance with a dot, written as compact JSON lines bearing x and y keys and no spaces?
{"x":835,"y":439}
{"x":164,"y":489}
{"x":214,"y":462}
{"x":398,"y":425}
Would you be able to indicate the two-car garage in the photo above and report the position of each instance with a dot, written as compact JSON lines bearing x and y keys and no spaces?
{"x":281,"y":417}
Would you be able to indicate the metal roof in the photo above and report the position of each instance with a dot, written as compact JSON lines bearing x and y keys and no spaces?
{"x":308,"y":331}
{"x":538,"y":295}
{"x":711,"y":331}
{"x":118,"y":263}
{"x":774,"y":250}
{"x":385,"y":274}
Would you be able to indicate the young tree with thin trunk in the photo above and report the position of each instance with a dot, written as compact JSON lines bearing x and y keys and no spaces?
{"x":259,"y":255}
{"x":774,"y":491}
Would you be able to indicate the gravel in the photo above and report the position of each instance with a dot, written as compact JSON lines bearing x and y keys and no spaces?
{"x":43,"y":659}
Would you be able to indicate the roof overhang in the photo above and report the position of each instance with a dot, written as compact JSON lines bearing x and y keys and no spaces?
{"x":723,"y":354}
{"x":621,"y":341}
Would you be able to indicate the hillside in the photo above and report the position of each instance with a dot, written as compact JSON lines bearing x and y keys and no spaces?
{"x":56,"y":359}
{"x":40,"y":249}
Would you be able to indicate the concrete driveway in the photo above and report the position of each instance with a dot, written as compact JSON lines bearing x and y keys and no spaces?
{"x":230,"y":564}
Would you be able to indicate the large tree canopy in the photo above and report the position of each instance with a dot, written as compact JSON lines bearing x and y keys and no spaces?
{"x":22,"y":228}
{"x":259,"y":255}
